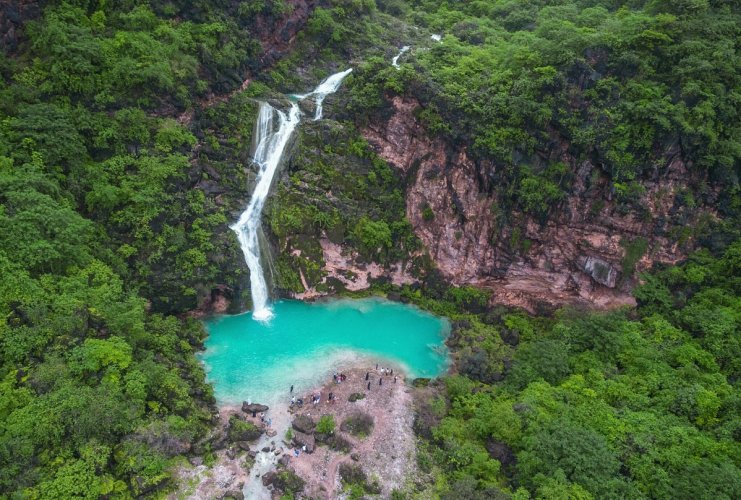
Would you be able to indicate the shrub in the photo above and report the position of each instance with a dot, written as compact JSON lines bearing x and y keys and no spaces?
{"x":356,"y":396}
{"x":358,"y":424}
{"x":325,"y":425}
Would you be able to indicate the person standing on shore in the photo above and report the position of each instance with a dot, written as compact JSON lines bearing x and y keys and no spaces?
{"x":369,"y":386}
{"x":380,"y":381}
{"x":291,"y":388}
{"x":367,"y":374}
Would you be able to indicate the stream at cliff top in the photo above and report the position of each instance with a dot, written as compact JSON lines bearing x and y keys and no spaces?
{"x":256,"y":361}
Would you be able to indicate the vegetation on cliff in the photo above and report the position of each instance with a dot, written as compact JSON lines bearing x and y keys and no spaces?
{"x":120,"y":169}
{"x":527,"y":85}
{"x":629,"y":404}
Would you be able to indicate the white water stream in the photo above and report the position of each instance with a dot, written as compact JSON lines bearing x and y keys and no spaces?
{"x":270,"y":144}
{"x":395,"y":60}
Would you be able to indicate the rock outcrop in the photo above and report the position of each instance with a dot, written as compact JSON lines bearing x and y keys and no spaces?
{"x":13,"y":15}
{"x":300,"y":440}
{"x":253,"y":407}
{"x":304,"y":423}
{"x":576,"y":257}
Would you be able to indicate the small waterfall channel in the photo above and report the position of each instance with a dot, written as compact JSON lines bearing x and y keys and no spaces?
{"x":395,"y":60}
{"x":273,"y":130}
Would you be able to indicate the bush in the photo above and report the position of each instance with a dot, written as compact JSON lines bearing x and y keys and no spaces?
{"x":356,"y":396}
{"x":358,"y":424}
{"x":325,"y":425}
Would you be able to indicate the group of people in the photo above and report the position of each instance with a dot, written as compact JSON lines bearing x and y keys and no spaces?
{"x":383,"y":371}
{"x":339,"y":378}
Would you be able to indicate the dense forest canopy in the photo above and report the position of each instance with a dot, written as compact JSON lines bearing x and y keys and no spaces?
{"x":116,"y":136}
{"x":629,"y":404}
{"x":626,"y":85}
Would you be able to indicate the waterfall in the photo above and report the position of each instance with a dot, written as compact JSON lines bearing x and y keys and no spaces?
{"x":395,"y":60}
{"x":328,"y":86}
{"x":270,"y":143}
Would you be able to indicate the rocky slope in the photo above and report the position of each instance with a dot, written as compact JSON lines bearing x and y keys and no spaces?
{"x":587,"y":251}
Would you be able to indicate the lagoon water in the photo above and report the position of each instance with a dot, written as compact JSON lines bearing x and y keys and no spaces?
{"x":257,"y":361}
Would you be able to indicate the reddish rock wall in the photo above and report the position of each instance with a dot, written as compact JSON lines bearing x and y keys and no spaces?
{"x":574,"y":258}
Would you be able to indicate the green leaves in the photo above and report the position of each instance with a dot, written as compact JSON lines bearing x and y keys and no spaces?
{"x":372,"y":237}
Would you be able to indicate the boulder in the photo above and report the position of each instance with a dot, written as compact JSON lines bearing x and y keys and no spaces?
{"x":250,"y":408}
{"x":243,"y":445}
{"x":269,"y":478}
{"x":219,"y":442}
{"x":265,"y":449}
{"x":300,"y":439}
{"x":233,"y":495}
{"x":241,"y":430}
{"x":304,"y":423}
{"x":284,"y":481}
{"x":271,"y":432}
{"x":284,"y":460}
{"x":600,"y":271}
{"x":231,"y":453}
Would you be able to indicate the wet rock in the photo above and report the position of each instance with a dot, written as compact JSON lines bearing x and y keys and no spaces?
{"x":421,"y":382}
{"x":269,"y":478}
{"x":308,"y":106}
{"x":271,"y":433}
{"x":266,"y":449}
{"x":600,"y":271}
{"x":243,"y":445}
{"x":233,"y":495}
{"x":300,"y":440}
{"x":304,"y":423}
{"x":252,"y":454}
{"x":250,"y":408}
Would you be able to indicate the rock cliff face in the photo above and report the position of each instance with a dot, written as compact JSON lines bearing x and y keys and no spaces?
{"x":585,"y":253}
{"x":13,"y":15}
{"x":277,"y":35}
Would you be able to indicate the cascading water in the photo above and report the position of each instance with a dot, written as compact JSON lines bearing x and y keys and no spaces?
{"x":268,"y":152}
{"x":270,"y":143}
{"x":328,"y":86}
{"x":395,"y":60}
